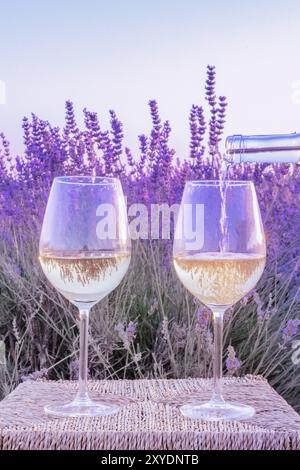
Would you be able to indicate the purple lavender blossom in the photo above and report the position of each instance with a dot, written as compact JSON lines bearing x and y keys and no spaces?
{"x":117,"y":145}
{"x":71,"y":125}
{"x":259,"y":304}
{"x":290,"y":330}
{"x":38,"y":374}
{"x":232,"y":362}
{"x":144,"y":151}
{"x":74,"y":369}
{"x":220,"y":120}
{"x":211,"y":98}
{"x":126,"y":334}
{"x":197,"y":130}
{"x":130,"y":160}
{"x":131,"y":330}
{"x":203,"y":317}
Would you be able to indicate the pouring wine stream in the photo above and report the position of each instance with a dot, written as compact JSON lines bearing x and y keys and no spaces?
{"x":224,"y":248}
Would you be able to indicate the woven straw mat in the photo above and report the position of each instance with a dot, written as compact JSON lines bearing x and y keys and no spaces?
{"x":149,"y":417}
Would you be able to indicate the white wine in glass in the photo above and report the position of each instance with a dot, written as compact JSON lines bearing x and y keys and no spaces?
{"x":84,"y":253}
{"x":85,"y":277}
{"x":222,"y":268}
{"x":220,"y":278}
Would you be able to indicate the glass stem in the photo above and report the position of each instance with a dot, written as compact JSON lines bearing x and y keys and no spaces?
{"x":82,"y":394}
{"x":218,"y":356}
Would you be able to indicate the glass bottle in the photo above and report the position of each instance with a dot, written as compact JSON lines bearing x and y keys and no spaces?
{"x":277,"y":148}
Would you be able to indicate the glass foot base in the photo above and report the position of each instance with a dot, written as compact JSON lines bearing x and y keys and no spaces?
{"x":81,"y":408}
{"x":217,"y":411}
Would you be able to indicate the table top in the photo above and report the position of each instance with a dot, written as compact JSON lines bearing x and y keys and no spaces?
{"x":149,"y":417}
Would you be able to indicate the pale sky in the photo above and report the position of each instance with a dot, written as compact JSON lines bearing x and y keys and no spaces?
{"x":119,"y":54}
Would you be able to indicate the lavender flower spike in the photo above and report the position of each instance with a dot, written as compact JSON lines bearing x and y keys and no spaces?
{"x":232,"y":362}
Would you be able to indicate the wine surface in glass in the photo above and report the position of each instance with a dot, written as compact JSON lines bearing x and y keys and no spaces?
{"x":219,"y":278}
{"x":85,"y":277}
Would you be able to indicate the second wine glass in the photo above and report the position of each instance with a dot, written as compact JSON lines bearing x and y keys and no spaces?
{"x":84,"y":253}
{"x":219,"y":256}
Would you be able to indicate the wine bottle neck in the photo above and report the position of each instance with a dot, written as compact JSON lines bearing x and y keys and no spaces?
{"x":263,"y":148}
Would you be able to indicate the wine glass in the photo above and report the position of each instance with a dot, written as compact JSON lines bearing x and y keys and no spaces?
{"x":219,"y":255}
{"x":84,"y":252}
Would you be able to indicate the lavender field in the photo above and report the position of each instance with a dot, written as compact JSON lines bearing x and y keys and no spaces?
{"x":150,"y":326}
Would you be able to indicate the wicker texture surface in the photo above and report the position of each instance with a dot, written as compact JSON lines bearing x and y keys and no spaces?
{"x":149,"y":417}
